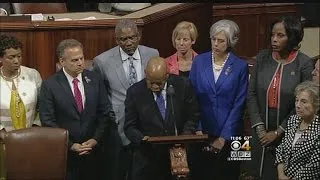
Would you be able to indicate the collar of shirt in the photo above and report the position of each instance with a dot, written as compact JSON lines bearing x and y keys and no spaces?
{"x":163,"y":93}
{"x":125,"y":56}
{"x":70,"y":78}
{"x":292,"y":55}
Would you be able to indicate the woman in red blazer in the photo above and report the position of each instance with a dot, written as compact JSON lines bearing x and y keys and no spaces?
{"x":183,"y":37}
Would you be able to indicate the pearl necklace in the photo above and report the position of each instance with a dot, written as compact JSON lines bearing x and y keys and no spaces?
{"x":218,"y":67}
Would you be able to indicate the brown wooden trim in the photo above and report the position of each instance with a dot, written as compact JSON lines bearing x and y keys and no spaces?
{"x":167,"y":13}
{"x":247,"y":9}
{"x":42,"y":25}
{"x":251,"y":5}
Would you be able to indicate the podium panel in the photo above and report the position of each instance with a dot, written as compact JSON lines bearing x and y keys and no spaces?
{"x":178,"y":154}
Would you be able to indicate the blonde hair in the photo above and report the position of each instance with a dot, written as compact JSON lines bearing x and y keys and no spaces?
{"x":184,"y":25}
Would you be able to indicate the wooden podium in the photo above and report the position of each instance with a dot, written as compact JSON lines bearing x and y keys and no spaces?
{"x":178,"y":153}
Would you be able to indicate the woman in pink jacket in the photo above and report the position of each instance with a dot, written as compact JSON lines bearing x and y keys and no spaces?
{"x":183,"y":37}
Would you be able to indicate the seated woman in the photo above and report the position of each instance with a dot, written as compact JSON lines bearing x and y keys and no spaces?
{"x":183,"y":37}
{"x":19,"y":87}
{"x":298,"y":155}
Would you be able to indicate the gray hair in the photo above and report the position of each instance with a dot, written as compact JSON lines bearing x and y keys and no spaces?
{"x":65,"y":44}
{"x":313,"y":90}
{"x":230,"y":28}
{"x":125,"y":23}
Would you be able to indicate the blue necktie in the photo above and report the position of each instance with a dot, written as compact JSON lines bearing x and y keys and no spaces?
{"x":161,"y":105}
{"x":132,"y":72}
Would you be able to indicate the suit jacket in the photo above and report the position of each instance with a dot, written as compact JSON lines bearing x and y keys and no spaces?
{"x":172,"y":62}
{"x":58,"y":107}
{"x":302,"y":160}
{"x":293,"y":73}
{"x":221,"y":103}
{"x":143,"y":118}
{"x":109,"y":66}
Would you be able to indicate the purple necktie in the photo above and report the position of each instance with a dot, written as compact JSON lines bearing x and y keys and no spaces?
{"x":161,"y":105}
{"x":77,"y":94}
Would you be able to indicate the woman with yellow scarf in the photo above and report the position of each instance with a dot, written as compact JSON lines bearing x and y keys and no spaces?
{"x":20,"y":87}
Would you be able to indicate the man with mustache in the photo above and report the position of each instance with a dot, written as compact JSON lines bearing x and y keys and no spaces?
{"x":120,"y":67}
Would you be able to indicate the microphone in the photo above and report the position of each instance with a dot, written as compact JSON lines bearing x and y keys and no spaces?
{"x":170,"y":93}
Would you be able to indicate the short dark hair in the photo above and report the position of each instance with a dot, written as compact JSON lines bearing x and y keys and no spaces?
{"x":294,"y":31}
{"x":67,"y":43}
{"x":7,"y":42}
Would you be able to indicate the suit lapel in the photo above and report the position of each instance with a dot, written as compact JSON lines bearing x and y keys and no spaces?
{"x":63,"y":81}
{"x":117,"y":61}
{"x":208,"y":71}
{"x":143,"y":60}
{"x":168,"y":101}
{"x":87,"y":89}
{"x":225,"y":72}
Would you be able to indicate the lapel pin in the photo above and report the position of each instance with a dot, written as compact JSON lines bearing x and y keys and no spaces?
{"x":87,"y":79}
{"x":292,"y":73}
{"x":228,"y":70}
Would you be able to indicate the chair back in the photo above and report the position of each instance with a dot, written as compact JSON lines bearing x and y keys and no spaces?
{"x":2,"y":165}
{"x":33,"y":8}
{"x":36,"y":153}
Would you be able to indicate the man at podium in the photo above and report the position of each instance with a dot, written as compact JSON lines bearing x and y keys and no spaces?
{"x":161,"y":104}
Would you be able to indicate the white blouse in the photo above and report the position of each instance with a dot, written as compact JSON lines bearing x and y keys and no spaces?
{"x":28,"y":86}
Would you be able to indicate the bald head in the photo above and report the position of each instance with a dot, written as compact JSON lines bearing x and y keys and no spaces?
{"x":156,"y":73}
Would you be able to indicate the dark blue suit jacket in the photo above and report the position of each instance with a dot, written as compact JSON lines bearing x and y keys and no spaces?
{"x":221,"y":103}
{"x":58,"y":107}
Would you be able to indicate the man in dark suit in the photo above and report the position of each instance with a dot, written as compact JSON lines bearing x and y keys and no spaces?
{"x":149,"y":112}
{"x":75,"y":99}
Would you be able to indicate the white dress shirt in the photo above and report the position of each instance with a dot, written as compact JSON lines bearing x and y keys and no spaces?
{"x":136,"y":63}
{"x":80,"y":85}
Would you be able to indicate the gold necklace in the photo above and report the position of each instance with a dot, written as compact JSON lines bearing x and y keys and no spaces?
{"x":9,"y":78}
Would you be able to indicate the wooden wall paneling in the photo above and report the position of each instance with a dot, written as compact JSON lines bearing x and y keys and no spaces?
{"x":43,"y":53}
{"x":157,"y":34}
{"x":95,"y":41}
